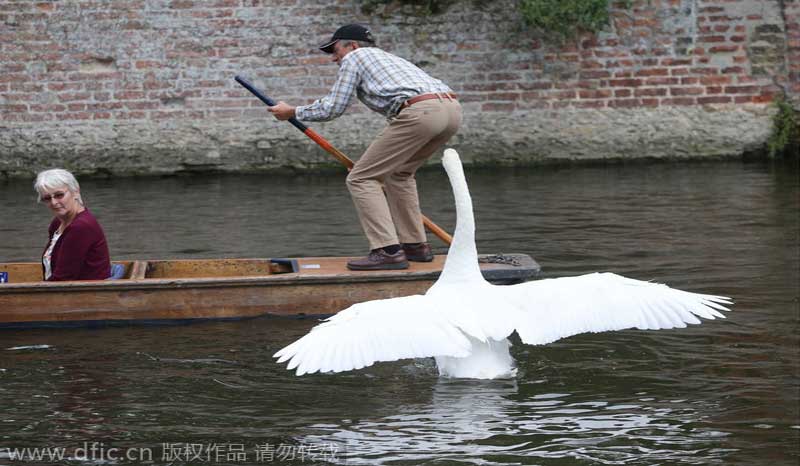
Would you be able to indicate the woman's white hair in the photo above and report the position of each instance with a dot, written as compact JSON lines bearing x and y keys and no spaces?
{"x":55,"y":178}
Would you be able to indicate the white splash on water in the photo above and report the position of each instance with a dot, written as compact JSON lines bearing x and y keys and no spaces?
{"x":29,"y":347}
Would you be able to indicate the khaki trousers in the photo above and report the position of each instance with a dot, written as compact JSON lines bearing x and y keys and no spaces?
{"x":388,"y":166}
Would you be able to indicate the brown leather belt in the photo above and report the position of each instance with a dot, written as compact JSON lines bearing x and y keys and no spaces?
{"x":434,"y":95}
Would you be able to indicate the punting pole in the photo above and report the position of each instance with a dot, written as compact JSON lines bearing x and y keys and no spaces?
{"x":345,"y":160}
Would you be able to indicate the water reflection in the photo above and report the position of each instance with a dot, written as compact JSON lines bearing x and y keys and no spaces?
{"x":490,"y":419}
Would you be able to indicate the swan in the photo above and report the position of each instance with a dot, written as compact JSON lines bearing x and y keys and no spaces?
{"x":464,"y":322}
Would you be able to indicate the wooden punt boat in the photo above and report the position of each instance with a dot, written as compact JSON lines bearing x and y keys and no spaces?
{"x":172,"y":291}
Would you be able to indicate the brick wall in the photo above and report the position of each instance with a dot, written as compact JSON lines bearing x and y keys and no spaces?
{"x":792,"y":27}
{"x":146,"y":85}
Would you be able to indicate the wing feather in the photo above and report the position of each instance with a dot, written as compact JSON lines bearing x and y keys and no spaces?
{"x":557,"y":308}
{"x":382,"y":330}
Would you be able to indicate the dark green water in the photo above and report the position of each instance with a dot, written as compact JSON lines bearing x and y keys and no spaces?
{"x":725,"y":392}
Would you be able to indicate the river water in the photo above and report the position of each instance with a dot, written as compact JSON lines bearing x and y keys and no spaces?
{"x":725,"y":392}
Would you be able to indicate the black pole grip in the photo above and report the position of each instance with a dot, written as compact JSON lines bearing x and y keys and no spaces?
{"x":246,"y":84}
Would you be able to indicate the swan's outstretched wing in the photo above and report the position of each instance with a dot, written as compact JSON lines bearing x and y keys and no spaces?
{"x":373,"y":331}
{"x":557,"y":308}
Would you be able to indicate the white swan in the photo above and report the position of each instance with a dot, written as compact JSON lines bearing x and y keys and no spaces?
{"x":463,"y":321}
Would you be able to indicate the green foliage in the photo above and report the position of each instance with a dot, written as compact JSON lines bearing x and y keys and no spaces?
{"x":562,"y":18}
{"x":565,"y":18}
{"x":785,"y":129}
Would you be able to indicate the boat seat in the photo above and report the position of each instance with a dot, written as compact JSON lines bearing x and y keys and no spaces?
{"x":138,"y":270}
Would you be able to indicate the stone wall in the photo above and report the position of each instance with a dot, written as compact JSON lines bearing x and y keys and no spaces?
{"x":146,"y":86}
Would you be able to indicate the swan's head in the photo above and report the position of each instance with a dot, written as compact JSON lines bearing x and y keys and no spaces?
{"x":450,"y":159}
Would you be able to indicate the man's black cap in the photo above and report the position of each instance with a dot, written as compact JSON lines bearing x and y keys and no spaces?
{"x":348,"y":32}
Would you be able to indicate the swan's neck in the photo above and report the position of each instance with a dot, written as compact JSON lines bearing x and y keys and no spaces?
{"x":462,"y":258}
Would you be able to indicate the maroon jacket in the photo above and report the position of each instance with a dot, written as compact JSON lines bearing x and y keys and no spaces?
{"x":81,"y":253}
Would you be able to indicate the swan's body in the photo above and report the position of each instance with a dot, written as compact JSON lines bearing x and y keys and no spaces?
{"x":463,"y":321}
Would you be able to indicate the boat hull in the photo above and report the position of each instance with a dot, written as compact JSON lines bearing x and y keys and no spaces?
{"x":180,"y":291}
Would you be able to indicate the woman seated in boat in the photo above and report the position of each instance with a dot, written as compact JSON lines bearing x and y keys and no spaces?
{"x":77,"y":248}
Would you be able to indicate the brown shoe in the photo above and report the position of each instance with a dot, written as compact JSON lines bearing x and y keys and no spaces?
{"x":380,"y":260}
{"x":419,"y":252}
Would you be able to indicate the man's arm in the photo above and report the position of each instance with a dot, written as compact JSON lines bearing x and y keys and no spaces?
{"x":329,"y":107}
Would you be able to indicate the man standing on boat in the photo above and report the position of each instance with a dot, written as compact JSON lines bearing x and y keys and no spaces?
{"x":423,"y":115}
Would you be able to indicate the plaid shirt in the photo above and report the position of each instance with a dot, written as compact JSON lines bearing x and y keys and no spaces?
{"x":382,"y":81}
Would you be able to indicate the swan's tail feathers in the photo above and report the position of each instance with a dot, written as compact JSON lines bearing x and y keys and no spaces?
{"x":462,"y":258}
{"x":489,"y":359}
